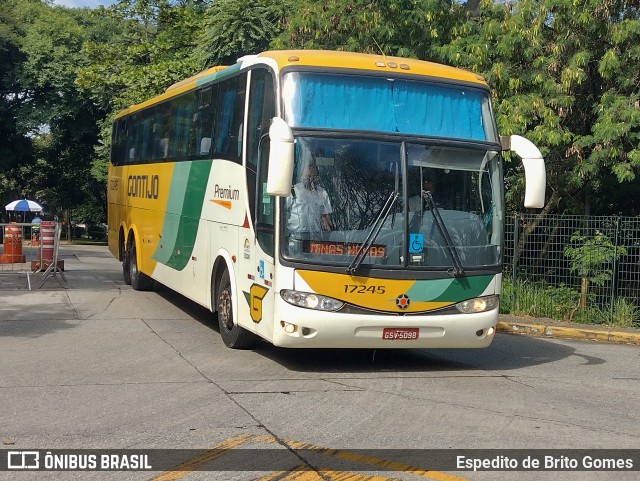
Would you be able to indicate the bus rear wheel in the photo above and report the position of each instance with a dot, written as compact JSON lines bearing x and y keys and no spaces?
{"x":126,"y":269}
{"x":232,"y":334}
{"x":139,"y":280}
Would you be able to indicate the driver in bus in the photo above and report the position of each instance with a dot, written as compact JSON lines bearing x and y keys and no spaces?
{"x":309,"y":205}
{"x":418,"y":202}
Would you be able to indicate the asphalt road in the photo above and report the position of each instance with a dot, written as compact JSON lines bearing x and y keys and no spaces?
{"x":99,"y":366}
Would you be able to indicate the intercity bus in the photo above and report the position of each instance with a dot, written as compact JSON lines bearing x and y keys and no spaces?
{"x":319,"y":199}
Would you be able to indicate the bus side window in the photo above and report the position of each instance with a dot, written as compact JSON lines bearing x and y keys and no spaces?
{"x":161,"y":132}
{"x":261,"y":111}
{"x":182,"y":109}
{"x":119,"y":142}
{"x":200,"y":135}
{"x":229,"y":116}
{"x":131,"y":150}
{"x":146,"y":134}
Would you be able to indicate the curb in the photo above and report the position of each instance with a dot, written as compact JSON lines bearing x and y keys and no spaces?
{"x":562,"y":332}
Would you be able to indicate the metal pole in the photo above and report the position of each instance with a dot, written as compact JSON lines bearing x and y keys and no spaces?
{"x":614,"y":273}
{"x":514,"y":262}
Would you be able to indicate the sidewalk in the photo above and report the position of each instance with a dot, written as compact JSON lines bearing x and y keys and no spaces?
{"x":549,"y":328}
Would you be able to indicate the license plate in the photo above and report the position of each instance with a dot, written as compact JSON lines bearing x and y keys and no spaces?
{"x":400,"y":333}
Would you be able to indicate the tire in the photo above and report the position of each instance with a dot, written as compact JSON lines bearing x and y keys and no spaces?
{"x":232,"y":335}
{"x":139,"y":280}
{"x":126,"y":273}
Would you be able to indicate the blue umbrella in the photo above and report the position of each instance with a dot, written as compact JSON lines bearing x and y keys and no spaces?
{"x":24,"y":205}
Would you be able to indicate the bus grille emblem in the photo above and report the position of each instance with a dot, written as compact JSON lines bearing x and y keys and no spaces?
{"x":403,"y":301}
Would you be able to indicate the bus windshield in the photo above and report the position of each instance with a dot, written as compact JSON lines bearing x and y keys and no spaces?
{"x":414,"y":205}
{"x":390,"y":105}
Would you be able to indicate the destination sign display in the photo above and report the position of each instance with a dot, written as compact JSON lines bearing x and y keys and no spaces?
{"x":341,"y":248}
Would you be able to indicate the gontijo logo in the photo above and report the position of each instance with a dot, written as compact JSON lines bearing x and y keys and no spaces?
{"x":144,"y":186}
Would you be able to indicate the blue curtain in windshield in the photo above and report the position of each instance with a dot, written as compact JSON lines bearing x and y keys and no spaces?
{"x":424,"y":109}
{"x":343,"y":102}
{"x":381,"y":104}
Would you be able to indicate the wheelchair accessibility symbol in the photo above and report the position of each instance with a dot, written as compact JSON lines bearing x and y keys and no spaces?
{"x":416,"y":243}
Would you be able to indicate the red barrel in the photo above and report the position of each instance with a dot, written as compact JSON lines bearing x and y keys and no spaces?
{"x":47,"y":237}
{"x":12,"y":245}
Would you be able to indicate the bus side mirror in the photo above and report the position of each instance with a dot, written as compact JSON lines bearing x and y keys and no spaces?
{"x":279,"y":176}
{"x":534,"y":171}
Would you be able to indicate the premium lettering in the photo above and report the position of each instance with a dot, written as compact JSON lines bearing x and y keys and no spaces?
{"x":226,"y":193}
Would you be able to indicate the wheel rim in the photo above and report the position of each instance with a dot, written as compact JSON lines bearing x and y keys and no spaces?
{"x":224,"y":308}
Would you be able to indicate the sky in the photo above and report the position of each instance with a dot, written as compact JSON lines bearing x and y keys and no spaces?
{"x":83,"y":3}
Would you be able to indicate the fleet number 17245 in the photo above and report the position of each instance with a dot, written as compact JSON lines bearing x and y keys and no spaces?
{"x":361,"y":289}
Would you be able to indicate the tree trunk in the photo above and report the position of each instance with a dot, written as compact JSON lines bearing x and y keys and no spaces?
{"x":529,"y":227}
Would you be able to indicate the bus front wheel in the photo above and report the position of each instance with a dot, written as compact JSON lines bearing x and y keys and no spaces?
{"x":232,"y":334}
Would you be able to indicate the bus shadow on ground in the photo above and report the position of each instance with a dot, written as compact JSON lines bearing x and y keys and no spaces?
{"x":507,"y":352}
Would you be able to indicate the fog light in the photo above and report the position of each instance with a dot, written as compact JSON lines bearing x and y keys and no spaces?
{"x":490,"y":331}
{"x":288,"y":327}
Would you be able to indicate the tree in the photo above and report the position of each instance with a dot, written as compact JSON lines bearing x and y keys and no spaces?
{"x":15,"y":148}
{"x":390,"y":27}
{"x":145,"y":46}
{"x":238,"y":27}
{"x":54,"y":126}
{"x":558,"y":77}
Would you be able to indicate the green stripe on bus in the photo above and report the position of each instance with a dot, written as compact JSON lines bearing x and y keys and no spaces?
{"x":171,"y":222}
{"x":188,"y":188}
{"x":219,"y":74}
{"x":449,"y":290}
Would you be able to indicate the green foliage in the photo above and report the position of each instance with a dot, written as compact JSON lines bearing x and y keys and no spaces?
{"x":538,"y":300}
{"x":625,"y":313}
{"x":391,"y":27}
{"x":234,"y":28}
{"x":565,"y":74}
{"x":53,"y":126}
{"x":144,"y":47}
{"x":592,"y":257}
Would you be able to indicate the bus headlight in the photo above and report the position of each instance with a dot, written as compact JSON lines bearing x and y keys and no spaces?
{"x":311,"y":301}
{"x":478,"y":304}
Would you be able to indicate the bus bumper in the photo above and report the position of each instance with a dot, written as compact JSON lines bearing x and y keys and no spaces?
{"x":304,"y":328}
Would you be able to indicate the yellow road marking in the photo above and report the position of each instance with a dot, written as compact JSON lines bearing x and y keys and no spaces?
{"x":302,"y":473}
{"x":360,"y":458}
{"x":214,"y":452}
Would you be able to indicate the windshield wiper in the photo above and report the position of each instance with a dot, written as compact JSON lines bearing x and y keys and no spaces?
{"x":373,"y":233}
{"x":458,"y":271}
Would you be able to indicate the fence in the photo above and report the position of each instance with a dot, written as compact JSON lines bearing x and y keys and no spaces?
{"x":573,"y":268}
{"x":28,"y":249}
